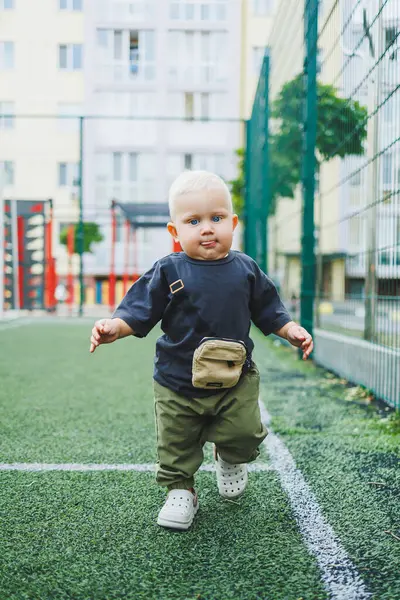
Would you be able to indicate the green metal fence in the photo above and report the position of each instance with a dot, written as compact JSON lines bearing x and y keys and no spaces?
{"x":334,"y":181}
{"x":256,"y":173}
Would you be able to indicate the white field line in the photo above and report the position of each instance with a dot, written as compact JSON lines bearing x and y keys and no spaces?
{"x":142,"y":468}
{"x":339,"y":575}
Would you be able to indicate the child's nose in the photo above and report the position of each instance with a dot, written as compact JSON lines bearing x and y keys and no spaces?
{"x":207,"y":227}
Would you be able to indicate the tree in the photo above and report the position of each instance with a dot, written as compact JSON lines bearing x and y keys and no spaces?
{"x":341,"y":131}
{"x":91,"y":235}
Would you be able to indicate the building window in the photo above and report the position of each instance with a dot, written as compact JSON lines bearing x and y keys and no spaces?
{"x":354,"y":231}
{"x":124,"y":167}
{"x":391,"y":35}
{"x":188,"y":161}
{"x":70,"y":57}
{"x":126,"y":54}
{"x":262,"y":8}
{"x":193,"y":10}
{"x":134,"y":52}
{"x":76,"y":5}
{"x":387,"y":170}
{"x":215,"y":163}
{"x":117,"y":45}
{"x":102,"y":38}
{"x":68,"y":174}
{"x":390,"y":110}
{"x":7,"y":172}
{"x":132,"y":166}
{"x":6,"y":4}
{"x":117,"y":166}
{"x":63,"y":57}
{"x":189,"y":106}
{"x":7,"y":115}
{"x":210,"y":162}
{"x":204,"y":106}
{"x":197,"y":105}
{"x":182,"y":10}
{"x":69,"y":117}
{"x":125,"y":177}
{"x":6,"y":55}
{"x":197,"y":57}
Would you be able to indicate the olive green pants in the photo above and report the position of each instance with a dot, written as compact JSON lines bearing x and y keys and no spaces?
{"x":231,"y":420}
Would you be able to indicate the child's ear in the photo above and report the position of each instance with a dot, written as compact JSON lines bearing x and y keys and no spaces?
{"x":172,"y":230}
{"x":235,"y":221}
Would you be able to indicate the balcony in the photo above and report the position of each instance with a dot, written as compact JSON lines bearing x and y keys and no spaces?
{"x":124,"y":11}
{"x":211,"y":11}
{"x":126,"y":71}
{"x":204,"y":75}
{"x":138,"y":192}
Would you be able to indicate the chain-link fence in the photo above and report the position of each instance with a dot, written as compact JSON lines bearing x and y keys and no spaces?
{"x":335,"y":124}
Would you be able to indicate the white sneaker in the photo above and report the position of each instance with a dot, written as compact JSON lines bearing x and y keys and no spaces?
{"x":179,"y":509}
{"x":231,"y":479}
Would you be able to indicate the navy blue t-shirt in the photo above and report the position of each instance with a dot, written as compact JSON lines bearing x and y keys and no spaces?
{"x":214,"y":298}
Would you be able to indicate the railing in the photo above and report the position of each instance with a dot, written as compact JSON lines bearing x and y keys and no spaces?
{"x":194,"y":74}
{"x":124,"y":11}
{"x":123,"y":71}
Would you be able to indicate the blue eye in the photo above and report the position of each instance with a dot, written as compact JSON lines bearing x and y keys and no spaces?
{"x":193,"y":221}
{"x":216,"y":219}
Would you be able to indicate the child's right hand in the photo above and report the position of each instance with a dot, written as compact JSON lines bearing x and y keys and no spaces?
{"x":104,"y":331}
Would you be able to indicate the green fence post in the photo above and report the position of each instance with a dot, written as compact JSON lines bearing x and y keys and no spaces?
{"x":249,"y":200}
{"x":373,"y":222}
{"x":309,"y":165}
{"x":266,"y":191}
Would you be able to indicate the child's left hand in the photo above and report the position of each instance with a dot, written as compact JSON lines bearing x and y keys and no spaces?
{"x":299,"y":337}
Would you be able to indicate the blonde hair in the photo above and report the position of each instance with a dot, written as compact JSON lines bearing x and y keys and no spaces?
{"x":195,"y":181}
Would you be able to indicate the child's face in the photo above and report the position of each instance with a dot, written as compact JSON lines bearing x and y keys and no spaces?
{"x":204,"y":224}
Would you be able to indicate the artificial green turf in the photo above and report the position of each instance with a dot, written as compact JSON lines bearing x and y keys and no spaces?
{"x":61,"y":404}
{"x":81,"y":536}
{"x":93,"y":535}
{"x":344,"y":449}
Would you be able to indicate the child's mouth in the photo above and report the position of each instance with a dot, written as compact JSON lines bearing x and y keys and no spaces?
{"x":209,"y":244}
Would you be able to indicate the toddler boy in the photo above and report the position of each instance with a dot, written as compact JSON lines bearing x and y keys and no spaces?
{"x":206,"y":385}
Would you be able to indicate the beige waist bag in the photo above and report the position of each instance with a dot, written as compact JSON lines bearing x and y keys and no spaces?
{"x":218,"y":363}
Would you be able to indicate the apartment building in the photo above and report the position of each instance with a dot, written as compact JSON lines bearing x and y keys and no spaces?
{"x":158,"y":85}
{"x":344,"y":193}
{"x":287,"y":61}
{"x":170,"y":68}
{"x":286,"y":54}
{"x":41,"y":85}
{"x":257,"y":21}
{"x":372,"y":76}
